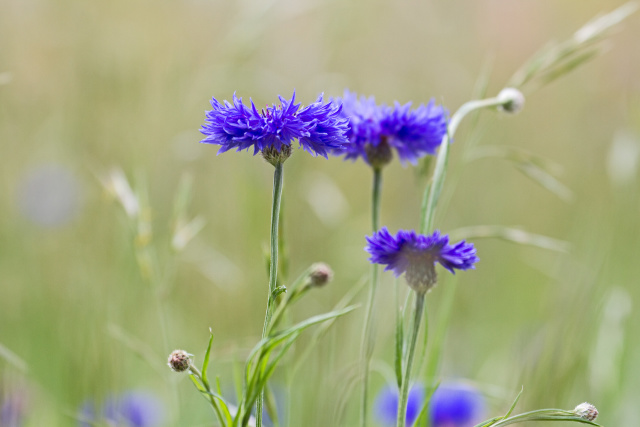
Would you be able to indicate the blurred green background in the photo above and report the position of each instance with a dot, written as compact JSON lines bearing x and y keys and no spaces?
{"x":88,"y":86}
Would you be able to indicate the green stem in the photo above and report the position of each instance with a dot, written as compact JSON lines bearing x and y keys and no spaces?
{"x":273,"y":268}
{"x":367,"y":336}
{"x":196,"y":372}
{"x":432,"y":192}
{"x":404,"y":389}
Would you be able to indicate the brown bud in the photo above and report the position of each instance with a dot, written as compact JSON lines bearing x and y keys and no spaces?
{"x":320,"y":275}
{"x":179,"y":361}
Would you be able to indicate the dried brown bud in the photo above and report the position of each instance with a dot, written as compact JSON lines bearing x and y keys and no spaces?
{"x":179,"y":361}
{"x":320,"y":275}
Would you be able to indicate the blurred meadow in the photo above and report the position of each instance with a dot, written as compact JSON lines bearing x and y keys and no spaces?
{"x":86,"y":87}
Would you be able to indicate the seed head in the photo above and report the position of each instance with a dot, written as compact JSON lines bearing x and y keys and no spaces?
{"x":179,"y":361}
{"x":512,"y":100}
{"x":586,"y":411}
{"x":320,"y":275}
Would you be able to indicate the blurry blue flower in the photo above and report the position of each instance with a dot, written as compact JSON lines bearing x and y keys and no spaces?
{"x":131,"y":409}
{"x":386,"y":405}
{"x":12,"y":408}
{"x":416,"y":255}
{"x":49,"y":195}
{"x":375,"y":129}
{"x":456,"y":405}
{"x":319,"y":128}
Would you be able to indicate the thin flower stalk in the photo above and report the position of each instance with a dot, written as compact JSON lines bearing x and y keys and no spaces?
{"x":278,"y":178}
{"x":367,"y":336}
{"x":406,"y":379}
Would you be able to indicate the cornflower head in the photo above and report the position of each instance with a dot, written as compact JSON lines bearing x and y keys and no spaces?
{"x":416,"y":255}
{"x":319,"y":128}
{"x":130,"y":409}
{"x":376,"y":129}
{"x":456,"y":405}
{"x":386,"y":405}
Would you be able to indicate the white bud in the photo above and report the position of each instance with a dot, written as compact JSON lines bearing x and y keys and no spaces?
{"x":512,"y":100}
{"x":586,"y":411}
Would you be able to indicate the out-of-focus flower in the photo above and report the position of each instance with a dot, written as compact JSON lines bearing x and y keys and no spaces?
{"x":386,"y":405}
{"x":416,"y":255}
{"x":376,"y":129}
{"x":130,"y":409}
{"x":320,"y":275}
{"x":456,"y":405}
{"x":49,"y":195}
{"x":318,"y":127}
{"x":12,"y":409}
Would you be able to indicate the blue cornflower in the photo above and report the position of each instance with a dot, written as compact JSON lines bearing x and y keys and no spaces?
{"x":456,"y":405}
{"x":131,"y":409}
{"x":387,"y":405}
{"x":376,"y":129}
{"x":416,"y":255}
{"x":319,"y":128}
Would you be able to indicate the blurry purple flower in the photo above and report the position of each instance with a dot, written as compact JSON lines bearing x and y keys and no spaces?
{"x":87,"y":414}
{"x":416,"y":255}
{"x":456,"y":405}
{"x":131,"y":409}
{"x":12,"y":410}
{"x":375,"y":129}
{"x":49,"y":195}
{"x":319,"y":128}
{"x":386,"y":405}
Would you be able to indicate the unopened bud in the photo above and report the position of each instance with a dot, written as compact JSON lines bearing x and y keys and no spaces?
{"x":512,"y":100}
{"x":275,"y":156}
{"x":179,"y":361}
{"x":320,"y":275}
{"x":379,"y":155}
{"x":586,"y":411}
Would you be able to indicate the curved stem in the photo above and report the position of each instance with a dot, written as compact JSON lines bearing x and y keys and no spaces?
{"x":404,"y":389}
{"x":432,"y":192}
{"x":367,"y":336}
{"x":278,"y":176}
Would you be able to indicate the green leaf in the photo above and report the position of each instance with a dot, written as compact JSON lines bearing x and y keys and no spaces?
{"x":269,"y":343}
{"x":433,"y":190}
{"x":205,"y":363}
{"x":423,"y":410}
{"x":510,"y":234}
{"x":277,"y":291}
{"x":513,"y":405}
{"x":538,"y":169}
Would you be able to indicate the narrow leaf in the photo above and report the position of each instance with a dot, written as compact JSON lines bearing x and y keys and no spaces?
{"x":205,"y":363}
{"x":513,"y":405}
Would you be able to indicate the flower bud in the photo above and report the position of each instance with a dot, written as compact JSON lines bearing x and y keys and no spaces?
{"x":379,"y":155}
{"x":179,"y":361}
{"x":275,"y":156}
{"x":586,"y":411}
{"x":320,"y":275}
{"x":512,"y":100}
